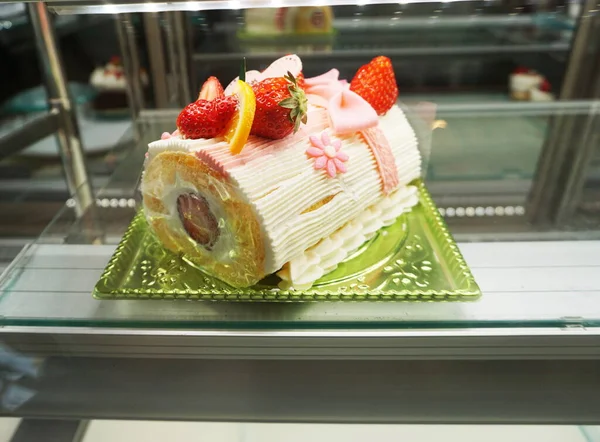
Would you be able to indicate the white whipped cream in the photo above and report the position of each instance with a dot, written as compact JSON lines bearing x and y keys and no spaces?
{"x":278,"y":180}
{"x":524,"y":82}
{"x":303,"y":270}
{"x":537,"y":95}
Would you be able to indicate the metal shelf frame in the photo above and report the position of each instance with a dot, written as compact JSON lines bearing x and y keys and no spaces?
{"x":60,"y":119}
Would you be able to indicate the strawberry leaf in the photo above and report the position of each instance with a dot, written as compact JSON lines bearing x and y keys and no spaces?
{"x":289,"y":103}
{"x":296,"y":102}
{"x":297,"y":125}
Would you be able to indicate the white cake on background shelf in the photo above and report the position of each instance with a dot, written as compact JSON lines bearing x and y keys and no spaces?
{"x":528,"y":85}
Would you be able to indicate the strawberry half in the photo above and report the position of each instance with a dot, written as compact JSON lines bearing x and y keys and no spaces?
{"x":281,"y":107}
{"x":376,"y":83}
{"x":545,"y":86}
{"x":211,"y":89}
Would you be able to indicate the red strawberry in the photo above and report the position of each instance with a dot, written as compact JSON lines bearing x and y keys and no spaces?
{"x":300,"y":80}
{"x":211,"y":89}
{"x":280,"y":107}
{"x":545,"y":86}
{"x":206,"y":119}
{"x":376,"y":83}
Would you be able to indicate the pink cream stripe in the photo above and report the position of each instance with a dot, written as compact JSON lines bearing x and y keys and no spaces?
{"x":384,"y":157}
{"x":206,"y":157}
{"x":218,"y":156}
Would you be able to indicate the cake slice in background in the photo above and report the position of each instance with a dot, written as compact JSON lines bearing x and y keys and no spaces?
{"x":287,"y":30}
{"x":528,"y":85}
{"x":111,"y":84}
{"x":542,"y":92}
{"x":522,"y":80}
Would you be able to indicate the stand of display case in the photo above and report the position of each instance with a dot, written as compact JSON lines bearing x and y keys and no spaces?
{"x":527,"y":352}
{"x":60,"y":119}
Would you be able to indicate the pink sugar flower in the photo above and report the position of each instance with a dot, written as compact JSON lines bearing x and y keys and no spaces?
{"x":327,"y":154}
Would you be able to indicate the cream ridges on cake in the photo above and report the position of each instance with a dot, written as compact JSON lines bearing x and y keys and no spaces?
{"x":298,"y":205}
{"x":295,"y":205}
{"x":303,"y":270}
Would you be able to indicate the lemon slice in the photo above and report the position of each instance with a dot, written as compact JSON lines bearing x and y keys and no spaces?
{"x":239,"y":127}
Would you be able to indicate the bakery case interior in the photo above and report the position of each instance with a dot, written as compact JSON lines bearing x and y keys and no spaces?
{"x":277,"y":199}
{"x":476,"y":123}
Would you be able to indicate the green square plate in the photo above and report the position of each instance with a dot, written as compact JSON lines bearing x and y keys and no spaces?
{"x":414,"y":259}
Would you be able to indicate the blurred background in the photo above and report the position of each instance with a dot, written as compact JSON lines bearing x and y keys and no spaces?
{"x":513,"y":83}
{"x":504,"y":96}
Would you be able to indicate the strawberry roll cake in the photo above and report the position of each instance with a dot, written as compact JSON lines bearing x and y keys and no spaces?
{"x":282,"y":174}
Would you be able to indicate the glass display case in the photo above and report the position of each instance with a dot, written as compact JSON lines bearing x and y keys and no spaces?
{"x":513,"y":170}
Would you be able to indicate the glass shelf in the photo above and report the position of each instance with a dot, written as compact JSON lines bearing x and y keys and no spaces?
{"x":524,"y":284}
{"x":100,"y":7}
{"x":462,"y":48}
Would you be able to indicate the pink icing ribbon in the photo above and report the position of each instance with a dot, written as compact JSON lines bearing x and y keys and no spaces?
{"x":384,"y":158}
{"x":348,"y":112}
{"x":211,"y":161}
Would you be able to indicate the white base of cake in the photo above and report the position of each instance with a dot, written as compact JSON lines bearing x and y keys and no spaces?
{"x":540,"y":96}
{"x":301,"y":272}
{"x":524,"y":82}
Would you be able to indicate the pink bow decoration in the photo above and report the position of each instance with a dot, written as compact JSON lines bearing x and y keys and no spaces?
{"x":323,"y":79}
{"x":348,"y":112}
{"x":384,"y":158}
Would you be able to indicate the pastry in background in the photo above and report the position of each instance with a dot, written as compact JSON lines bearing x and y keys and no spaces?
{"x":111,"y":84}
{"x":296,"y":20}
{"x":268,"y":21}
{"x":287,"y":30}
{"x":522,"y":80}
{"x":528,"y":85}
{"x":543,"y":92}
{"x":314,"y":19}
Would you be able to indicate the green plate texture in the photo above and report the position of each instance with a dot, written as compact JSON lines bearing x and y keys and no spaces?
{"x":414,"y":259}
